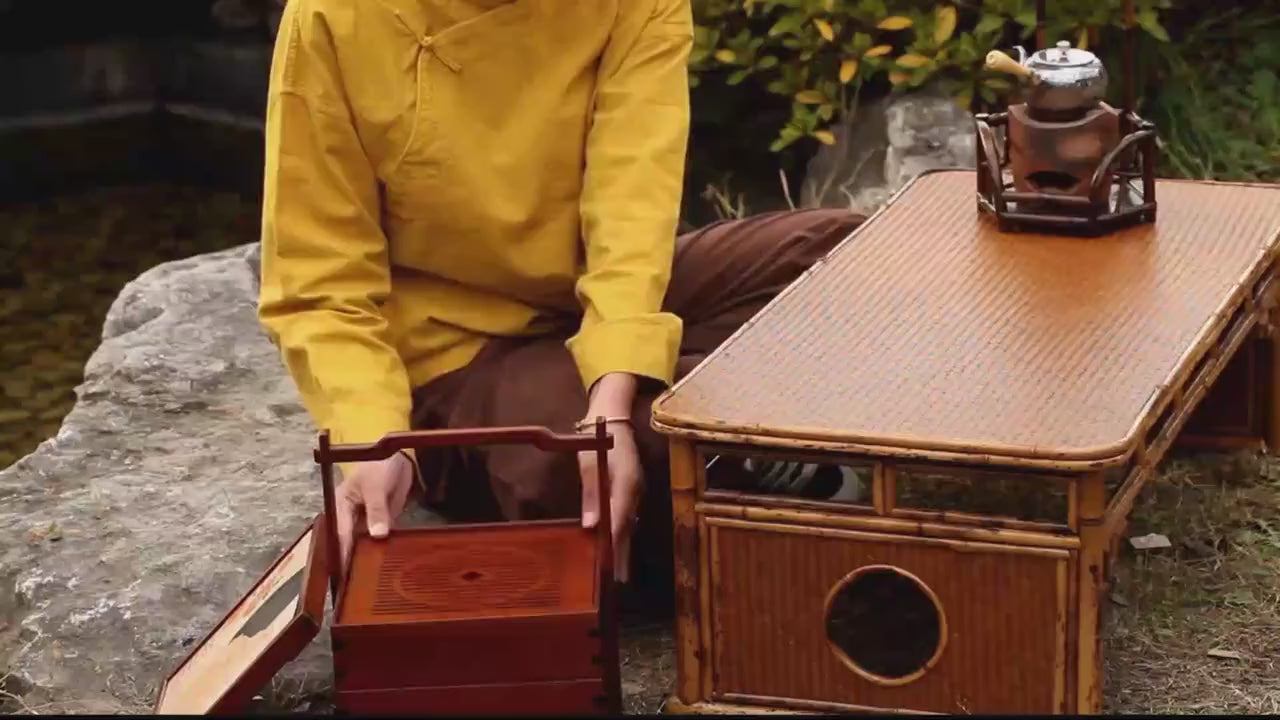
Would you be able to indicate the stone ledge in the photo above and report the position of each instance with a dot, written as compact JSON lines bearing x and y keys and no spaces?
{"x":181,"y":473}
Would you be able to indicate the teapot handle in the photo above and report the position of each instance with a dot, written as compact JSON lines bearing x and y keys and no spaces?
{"x":1000,"y":62}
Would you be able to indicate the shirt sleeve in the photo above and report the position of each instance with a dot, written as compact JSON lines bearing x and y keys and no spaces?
{"x":631,"y":197}
{"x":325,"y":272}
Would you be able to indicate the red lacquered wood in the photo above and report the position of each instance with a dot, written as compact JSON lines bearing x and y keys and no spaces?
{"x":577,"y":697}
{"x":540,"y":437}
{"x":514,"y":650}
{"x":428,"y":615}
{"x":465,"y":572}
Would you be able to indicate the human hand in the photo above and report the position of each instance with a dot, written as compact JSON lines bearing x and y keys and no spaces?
{"x":378,"y":491}
{"x":612,"y":398}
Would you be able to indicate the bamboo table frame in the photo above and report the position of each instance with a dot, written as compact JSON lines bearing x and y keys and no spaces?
{"x":703,"y":415}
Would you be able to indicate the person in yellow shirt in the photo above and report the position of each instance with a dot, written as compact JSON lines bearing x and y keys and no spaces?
{"x":470,"y":219}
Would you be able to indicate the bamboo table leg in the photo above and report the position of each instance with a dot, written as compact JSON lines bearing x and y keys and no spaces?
{"x":1267,"y":388}
{"x":1091,"y":507}
{"x":685,"y":470}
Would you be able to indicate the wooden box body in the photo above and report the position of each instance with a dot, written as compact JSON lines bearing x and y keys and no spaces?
{"x":501,"y":618}
{"x":504,"y":618}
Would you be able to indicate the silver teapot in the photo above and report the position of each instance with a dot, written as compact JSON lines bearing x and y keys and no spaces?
{"x":1061,"y":79}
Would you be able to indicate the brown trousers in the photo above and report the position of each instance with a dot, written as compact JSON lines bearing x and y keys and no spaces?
{"x":723,"y":275}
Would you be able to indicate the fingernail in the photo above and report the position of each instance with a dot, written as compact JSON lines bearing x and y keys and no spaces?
{"x":588,"y":519}
{"x":378,"y":530}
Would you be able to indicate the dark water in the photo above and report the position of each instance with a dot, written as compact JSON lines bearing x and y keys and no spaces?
{"x":63,"y":260}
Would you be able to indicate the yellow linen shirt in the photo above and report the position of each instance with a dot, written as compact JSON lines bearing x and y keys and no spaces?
{"x":441,"y":172}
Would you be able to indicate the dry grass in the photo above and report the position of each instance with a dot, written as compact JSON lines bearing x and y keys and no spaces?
{"x":1215,"y":590}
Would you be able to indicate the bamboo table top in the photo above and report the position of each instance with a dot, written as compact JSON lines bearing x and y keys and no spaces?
{"x":929,"y":330}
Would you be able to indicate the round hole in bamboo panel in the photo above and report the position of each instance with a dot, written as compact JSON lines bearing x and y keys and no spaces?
{"x":885,"y":624}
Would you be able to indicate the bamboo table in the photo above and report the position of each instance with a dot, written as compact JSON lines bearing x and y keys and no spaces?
{"x":1005,"y":398}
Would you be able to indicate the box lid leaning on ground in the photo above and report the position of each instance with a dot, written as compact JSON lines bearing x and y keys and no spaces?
{"x":279,"y":616}
{"x":929,"y":331}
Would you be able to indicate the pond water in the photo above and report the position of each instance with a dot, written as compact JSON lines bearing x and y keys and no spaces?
{"x":63,"y":260}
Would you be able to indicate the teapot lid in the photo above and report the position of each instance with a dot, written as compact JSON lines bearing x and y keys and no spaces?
{"x":1062,"y":56}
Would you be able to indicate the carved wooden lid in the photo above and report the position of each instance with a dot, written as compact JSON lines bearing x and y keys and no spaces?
{"x":468,"y":572}
{"x":930,"y":331}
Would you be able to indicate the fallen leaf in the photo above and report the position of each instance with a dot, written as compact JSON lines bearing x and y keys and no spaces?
{"x":1198,"y":547}
{"x":54,"y":533}
{"x":1225,"y":654}
{"x":1152,"y":541}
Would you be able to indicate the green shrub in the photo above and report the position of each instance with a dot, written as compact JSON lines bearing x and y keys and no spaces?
{"x":824,"y":53}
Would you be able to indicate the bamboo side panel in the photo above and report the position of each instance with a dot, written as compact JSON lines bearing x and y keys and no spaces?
{"x":1005,"y":618}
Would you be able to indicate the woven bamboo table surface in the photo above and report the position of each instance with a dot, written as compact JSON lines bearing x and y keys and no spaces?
{"x":928,"y":329}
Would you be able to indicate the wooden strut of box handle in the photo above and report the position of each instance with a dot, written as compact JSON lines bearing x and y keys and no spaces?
{"x":327,"y":455}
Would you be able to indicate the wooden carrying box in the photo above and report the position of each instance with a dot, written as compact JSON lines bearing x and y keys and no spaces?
{"x":465,"y":619}
{"x":998,"y":401}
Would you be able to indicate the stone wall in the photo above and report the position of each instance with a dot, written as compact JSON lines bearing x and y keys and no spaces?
{"x":105,"y":103}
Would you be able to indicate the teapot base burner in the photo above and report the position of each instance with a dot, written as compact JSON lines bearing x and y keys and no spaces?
{"x":1089,"y":176}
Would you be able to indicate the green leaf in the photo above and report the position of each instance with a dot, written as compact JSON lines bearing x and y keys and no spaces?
{"x":1148,"y":21}
{"x":737,"y":76}
{"x":786,"y":137}
{"x":990,"y":23}
{"x":787,"y":25}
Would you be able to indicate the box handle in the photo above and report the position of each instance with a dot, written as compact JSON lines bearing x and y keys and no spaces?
{"x":328,"y":454}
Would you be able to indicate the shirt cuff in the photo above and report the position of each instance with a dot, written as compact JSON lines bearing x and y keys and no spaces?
{"x":646,"y":345}
{"x":366,"y":424}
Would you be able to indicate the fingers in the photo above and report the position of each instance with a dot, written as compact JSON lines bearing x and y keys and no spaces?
{"x":400,"y":497}
{"x":623,"y":509}
{"x":377,"y":514}
{"x":622,"y":559}
{"x":345,"y":511}
{"x":590,"y":489}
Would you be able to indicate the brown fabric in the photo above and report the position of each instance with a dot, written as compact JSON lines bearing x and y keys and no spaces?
{"x":723,"y":274}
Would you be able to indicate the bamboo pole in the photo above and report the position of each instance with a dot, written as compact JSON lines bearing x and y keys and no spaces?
{"x":1090,"y":573}
{"x":1130,"y":56}
{"x":688,"y":586}
{"x":1041,"y":42}
{"x":897,"y":526}
{"x":845,"y":534}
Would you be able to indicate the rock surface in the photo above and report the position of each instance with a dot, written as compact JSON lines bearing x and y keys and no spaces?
{"x":885,"y":144}
{"x":182,"y":472}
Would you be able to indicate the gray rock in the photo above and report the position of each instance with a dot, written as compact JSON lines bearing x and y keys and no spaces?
{"x":182,"y":472}
{"x":885,"y":144}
